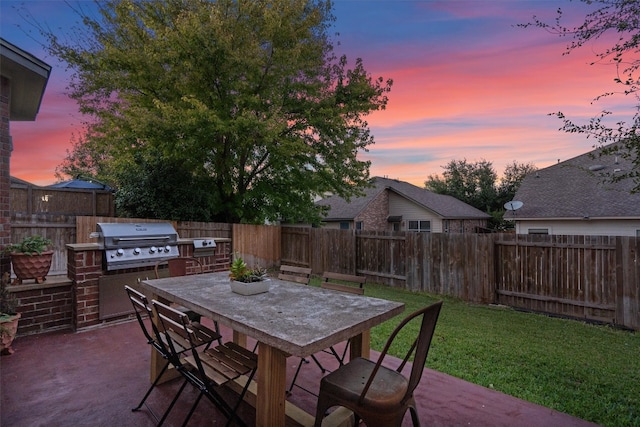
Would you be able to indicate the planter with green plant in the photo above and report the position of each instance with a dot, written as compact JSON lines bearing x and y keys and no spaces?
{"x":8,"y":316}
{"x":247,"y":280}
{"x":30,"y":258}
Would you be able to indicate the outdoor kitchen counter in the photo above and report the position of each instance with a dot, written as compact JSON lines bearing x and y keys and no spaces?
{"x":289,"y":319}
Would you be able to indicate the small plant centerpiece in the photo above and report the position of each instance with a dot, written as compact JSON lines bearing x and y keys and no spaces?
{"x":30,"y":258}
{"x":8,"y":315}
{"x":246,"y":280}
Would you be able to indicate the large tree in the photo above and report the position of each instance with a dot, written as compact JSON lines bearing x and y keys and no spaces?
{"x":246,"y":98}
{"x":477,"y":184}
{"x":616,"y":23}
{"x":473,"y":183}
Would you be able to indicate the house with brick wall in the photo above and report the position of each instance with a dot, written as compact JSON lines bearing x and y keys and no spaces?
{"x":393,"y":205}
{"x":23,"y":79}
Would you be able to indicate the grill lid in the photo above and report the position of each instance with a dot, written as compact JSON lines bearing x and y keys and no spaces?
{"x":129,"y":245}
{"x":126,"y":235}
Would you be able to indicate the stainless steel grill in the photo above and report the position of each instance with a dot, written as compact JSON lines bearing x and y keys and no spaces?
{"x":130,"y":245}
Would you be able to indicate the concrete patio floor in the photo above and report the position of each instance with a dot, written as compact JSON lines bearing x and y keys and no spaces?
{"x":94,"y":378}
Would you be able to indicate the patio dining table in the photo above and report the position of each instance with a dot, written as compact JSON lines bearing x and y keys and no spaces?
{"x":289,"y":319}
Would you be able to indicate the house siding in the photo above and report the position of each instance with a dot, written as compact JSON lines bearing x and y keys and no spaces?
{"x":399,"y":206}
{"x":587,"y":227}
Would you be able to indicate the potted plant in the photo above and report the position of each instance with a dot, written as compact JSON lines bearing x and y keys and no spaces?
{"x":246,"y":280}
{"x":8,"y":316}
{"x":30,"y":258}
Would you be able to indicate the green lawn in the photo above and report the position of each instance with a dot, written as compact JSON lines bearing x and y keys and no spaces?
{"x":591,"y":372}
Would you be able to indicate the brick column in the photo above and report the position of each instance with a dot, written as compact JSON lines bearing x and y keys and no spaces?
{"x":5,"y":174}
{"x":84,"y":268}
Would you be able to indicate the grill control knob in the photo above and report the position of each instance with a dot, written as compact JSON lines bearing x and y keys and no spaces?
{"x":167,"y":248}
{"x":136,"y":251}
{"x":153,"y":250}
{"x":120,"y":252}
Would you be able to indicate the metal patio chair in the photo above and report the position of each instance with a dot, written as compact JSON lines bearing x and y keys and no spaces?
{"x":376,"y":394}
{"x":207,"y":370}
{"x":143,"y":310}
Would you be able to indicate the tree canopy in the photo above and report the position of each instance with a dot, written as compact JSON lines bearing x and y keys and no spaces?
{"x":617,"y":24}
{"x":477,"y":184}
{"x":240,"y":107}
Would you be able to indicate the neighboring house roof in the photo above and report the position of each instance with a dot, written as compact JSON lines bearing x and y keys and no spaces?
{"x":28,"y":78}
{"x":579,"y":188}
{"x":78,"y":183}
{"x":447,"y":207}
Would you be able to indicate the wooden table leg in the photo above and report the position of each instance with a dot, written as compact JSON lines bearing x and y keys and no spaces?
{"x":272,"y":371}
{"x":360,"y":346}
{"x":240,"y":339}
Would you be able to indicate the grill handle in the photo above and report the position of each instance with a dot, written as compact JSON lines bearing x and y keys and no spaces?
{"x":137,"y":239}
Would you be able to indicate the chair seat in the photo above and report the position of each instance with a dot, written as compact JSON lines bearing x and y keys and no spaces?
{"x":386,"y":391}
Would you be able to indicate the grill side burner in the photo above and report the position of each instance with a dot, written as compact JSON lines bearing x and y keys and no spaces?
{"x":130,"y":245}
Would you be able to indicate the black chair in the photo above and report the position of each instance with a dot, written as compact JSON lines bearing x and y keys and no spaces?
{"x":337,"y":282}
{"x":142,"y":310}
{"x":376,"y":394}
{"x":207,"y":370}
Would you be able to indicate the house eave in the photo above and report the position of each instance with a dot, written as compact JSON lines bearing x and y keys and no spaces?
{"x":28,"y":77}
{"x":577,"y":218}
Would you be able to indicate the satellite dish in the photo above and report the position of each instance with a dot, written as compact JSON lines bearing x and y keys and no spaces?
{"x":513,"y":205}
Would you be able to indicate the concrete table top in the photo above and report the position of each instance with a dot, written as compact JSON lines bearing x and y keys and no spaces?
{"x":297,"y":319}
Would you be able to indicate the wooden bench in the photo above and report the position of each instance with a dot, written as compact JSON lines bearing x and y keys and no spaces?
{"x":343,"y":282}
{"x":295,"y":274}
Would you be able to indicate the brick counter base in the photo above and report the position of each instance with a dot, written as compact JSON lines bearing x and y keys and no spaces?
{"x":44,"y":306}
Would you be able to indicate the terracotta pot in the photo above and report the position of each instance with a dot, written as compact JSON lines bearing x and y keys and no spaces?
{"x":32,"y":266}
{"x":8,"y":329}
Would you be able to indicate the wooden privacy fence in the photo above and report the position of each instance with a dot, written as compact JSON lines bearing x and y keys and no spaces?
{"x":594,"y":278}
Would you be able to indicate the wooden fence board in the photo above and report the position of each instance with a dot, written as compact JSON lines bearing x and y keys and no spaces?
{"x":258,"y":245}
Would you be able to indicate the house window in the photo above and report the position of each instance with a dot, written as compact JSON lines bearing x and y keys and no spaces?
{"x":538,"y":231}
{"x":637,"y":233}
{"x":395,"y":226}
{"x":359,"y":225}
{"x":344,"y":225}
{"x":424,"y":226}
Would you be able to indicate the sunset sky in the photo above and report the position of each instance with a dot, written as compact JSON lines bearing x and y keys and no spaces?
{"x":468,"y":84}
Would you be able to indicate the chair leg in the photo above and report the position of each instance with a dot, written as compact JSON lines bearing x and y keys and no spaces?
{"x":173,"y":402}
{"x":321,"y":408}
{"x":295,"y":377}
{"x":414,"y":416}
{"x":193,"y":408}
{"x":322,"y":368}
{"x":151,"y":388}
{"x":216,"y":328}
{"x":234,"y":413}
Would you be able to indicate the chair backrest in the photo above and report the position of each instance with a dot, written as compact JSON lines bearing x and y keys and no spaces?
{"x":343,"y":282}
{"x":142,"y":309}
{"x":181,"y":266}
{"x":295,"y":274}
{"x":176,"y":328}
{"x":420,"y":347}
